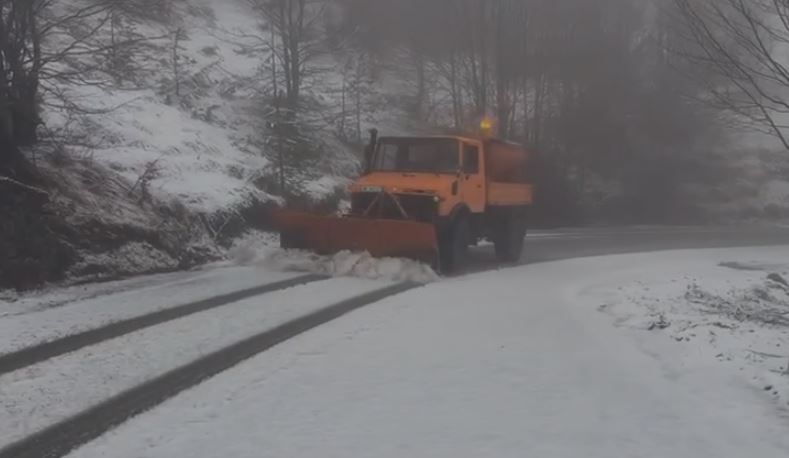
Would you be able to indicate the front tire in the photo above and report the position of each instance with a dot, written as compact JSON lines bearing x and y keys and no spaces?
{"x":510,"y":237}
{"x":455,"y":246}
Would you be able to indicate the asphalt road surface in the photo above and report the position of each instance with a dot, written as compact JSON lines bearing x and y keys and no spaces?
{"x":559,"y":244}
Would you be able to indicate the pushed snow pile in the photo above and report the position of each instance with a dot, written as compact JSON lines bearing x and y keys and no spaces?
{"x":348,"y":264}
{"x":261,"y":248}
{"x":252,"y":247}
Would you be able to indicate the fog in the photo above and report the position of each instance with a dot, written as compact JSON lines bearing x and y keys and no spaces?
{"x":629,"y":102}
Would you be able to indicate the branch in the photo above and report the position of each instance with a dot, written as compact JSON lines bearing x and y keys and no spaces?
{"x":33,"y":189}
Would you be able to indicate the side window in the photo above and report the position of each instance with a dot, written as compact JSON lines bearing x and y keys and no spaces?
{"x":471,"y":159}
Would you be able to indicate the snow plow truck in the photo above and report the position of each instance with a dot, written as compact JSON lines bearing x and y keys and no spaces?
{"x":426,"y":198}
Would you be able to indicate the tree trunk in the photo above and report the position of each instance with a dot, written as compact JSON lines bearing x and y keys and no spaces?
{"x":483,"y":56}
{"x":457,"y":101}
{"x":421,"y":84}
{"x":526,"y":122}
{"x":344,"y":107}
{"x":280,"y":145}
{"x":539,"y":97}
{"x":358,"y":100}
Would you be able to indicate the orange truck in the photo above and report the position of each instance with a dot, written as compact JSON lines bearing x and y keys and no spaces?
{"x":426,"y":198}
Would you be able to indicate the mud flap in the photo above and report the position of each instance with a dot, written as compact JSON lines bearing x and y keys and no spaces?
{"x":381,"y":238}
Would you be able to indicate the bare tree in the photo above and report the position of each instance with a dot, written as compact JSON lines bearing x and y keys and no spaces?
{"x":21,"y":61}
{"x":295,"y":24}
{"x":742,"y":43}
{"x":178,"y":36}
{"x":32,"y":53}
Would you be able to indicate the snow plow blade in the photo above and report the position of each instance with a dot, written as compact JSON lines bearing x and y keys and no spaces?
{"x":328,"y":235}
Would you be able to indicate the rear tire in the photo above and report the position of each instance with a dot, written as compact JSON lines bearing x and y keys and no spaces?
{"x":454,"y":247}
{"x":510,"y":238}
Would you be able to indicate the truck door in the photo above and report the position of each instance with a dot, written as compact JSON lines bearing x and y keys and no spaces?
{"x":472,"y":179}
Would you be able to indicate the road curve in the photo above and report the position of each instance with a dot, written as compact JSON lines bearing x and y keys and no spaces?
{"x":513,"y":363}
{"x":561,"y":244}
{"x":541,"y":246}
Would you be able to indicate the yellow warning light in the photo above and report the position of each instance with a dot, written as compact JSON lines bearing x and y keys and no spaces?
{"x":486,"y":126}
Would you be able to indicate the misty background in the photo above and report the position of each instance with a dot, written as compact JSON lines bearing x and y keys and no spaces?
{"x":147,"y":135}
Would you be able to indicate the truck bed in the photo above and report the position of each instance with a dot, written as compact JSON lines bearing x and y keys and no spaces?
{"x":509,"y":194}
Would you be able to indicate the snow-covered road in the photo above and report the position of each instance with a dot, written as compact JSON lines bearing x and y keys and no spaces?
{"x":42,"y":394}
{"x":51,"y":314}
{"x":519,"y":362}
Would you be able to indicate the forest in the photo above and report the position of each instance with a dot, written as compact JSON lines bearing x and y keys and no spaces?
{"x":637,"y":108}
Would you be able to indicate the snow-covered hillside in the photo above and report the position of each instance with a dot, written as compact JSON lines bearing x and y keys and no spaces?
{"x":162,"y":132}
{"x":197,"y":129}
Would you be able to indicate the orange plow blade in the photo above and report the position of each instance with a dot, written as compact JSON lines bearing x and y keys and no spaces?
{"x":381,"y":238}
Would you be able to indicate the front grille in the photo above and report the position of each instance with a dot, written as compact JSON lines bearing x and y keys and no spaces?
{"x":418,"y":208}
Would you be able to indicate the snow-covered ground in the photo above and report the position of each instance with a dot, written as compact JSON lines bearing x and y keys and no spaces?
{"x":734,"y":313}
{"x":39,"y":395}
{"x":518,"y":362}
{"x":49,"y":314}
{"x":42,"y":317}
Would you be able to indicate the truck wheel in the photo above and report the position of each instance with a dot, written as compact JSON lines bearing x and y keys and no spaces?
{"x":285,"y":242}
{"x":510,"y":238}
{"x":454,"y":247}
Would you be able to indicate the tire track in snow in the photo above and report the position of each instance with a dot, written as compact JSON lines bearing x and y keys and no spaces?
{"x":61,"y":438}
{"x":35,"y":354}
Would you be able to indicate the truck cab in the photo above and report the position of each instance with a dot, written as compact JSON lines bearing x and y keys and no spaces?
{"x":468,"y":188}
{"x":431,"y":176}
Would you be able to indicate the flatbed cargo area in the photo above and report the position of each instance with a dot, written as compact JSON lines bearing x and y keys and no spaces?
{"x":506,"y":194}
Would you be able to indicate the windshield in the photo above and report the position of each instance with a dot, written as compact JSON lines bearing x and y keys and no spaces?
{"x":433,"y":155}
